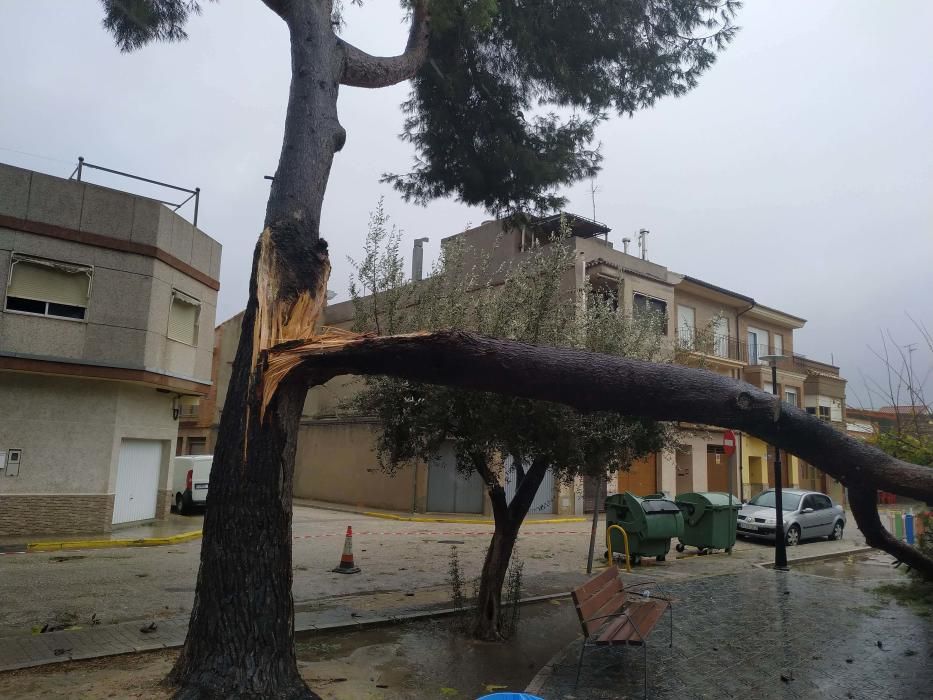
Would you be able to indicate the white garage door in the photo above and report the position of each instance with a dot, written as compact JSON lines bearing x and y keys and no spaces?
{"x":137,"y":481}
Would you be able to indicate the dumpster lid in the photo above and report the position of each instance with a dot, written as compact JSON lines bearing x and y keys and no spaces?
{"x":659,"y":505}
{"x":713,"y":498}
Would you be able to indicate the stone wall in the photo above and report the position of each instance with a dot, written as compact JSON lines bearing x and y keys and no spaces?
{"x":55,"y":514}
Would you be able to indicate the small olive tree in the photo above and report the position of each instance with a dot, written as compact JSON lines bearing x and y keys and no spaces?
{"x":532,"y":301}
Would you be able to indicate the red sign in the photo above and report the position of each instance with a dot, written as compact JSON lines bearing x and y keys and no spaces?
{"x":728,"y":442}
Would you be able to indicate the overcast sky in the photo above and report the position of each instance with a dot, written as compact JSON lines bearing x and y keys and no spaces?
{"x":799,"y":172}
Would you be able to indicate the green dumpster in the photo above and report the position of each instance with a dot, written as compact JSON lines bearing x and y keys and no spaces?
{"x":650,"y":522}
{"x":709,"y":521}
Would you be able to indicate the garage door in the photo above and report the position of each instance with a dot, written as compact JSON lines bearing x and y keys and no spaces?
{"x":137,"y":481}
{"x":448,"y":490}
{"x":544,"y":498}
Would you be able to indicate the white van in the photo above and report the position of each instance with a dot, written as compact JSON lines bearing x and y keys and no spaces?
{"x":190,"y":480}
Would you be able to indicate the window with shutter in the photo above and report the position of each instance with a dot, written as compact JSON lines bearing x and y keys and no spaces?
{"x":183,"y":318}
{"x":48,"y":288}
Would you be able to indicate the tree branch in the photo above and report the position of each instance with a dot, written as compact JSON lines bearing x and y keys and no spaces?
{"x":364,"y":70}
{"x":593,"y":382}
{"x":864,"y":508}
{"x":279,"y":7}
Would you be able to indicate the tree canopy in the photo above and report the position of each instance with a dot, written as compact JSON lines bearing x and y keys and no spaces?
{"x":536,"y":300}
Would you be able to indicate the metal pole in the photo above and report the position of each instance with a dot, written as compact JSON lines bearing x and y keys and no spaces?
{"x":197,"y":200}
{"x":80,"y":166}
{"x":780,"y":546}
{"x":589,"y":559}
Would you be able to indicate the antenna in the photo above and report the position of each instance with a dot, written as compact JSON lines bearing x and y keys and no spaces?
{"x":641,"y":242}
{"x":593,"y":190}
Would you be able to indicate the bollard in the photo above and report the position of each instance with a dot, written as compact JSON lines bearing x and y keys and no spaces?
{"x":909,"y":527}
{"x":898,"y":525}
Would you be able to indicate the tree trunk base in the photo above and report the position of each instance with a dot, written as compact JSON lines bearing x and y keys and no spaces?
{"x":213,"y":687}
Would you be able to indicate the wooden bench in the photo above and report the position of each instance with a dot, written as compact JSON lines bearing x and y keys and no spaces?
{"x":611,"y":615}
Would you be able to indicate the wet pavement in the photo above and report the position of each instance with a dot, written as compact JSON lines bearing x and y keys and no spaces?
{"x":171,"y":526}
{"x":818,"y":630}
{"x":433,"y":659}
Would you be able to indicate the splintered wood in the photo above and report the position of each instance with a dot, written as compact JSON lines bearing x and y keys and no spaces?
{"x":282,"y":361}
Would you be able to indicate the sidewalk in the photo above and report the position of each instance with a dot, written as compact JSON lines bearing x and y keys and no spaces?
{"x":172,"y":530}
{"x":355,"y":612}
{"x":755,"y":635}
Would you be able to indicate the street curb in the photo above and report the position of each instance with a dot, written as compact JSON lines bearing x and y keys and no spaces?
{"x":107,"y":544}
{"x":537,"y":683}
{"x":817,"y":557}
{"x":468,"y":521}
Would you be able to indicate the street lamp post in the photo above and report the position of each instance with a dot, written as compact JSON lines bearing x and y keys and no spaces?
{"x":780,"y":545}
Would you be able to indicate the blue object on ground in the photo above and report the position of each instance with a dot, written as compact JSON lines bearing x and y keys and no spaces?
{"x":510,"y":696}
{"x":909,"y":527}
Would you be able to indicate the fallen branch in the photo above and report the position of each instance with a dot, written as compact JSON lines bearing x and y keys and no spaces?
{"x":593,"y":382}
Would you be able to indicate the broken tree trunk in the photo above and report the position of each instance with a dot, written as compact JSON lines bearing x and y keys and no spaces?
{"x":591,"y":382}
{"x":240,"y":639}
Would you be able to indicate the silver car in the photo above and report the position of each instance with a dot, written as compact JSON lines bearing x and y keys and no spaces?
{"x":807,"y":514}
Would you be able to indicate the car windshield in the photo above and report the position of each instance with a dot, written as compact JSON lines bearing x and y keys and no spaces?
{"x":789,"y":501}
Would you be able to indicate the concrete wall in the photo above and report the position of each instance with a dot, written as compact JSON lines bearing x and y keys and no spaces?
{"x":70,"y":431}
{"x":130,"y":293}
{"x":336,"y":461}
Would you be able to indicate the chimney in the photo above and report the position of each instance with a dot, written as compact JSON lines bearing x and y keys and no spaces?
{"x":417,"y":259}
{"x":625,"y":242}
{"x":641,"y":243}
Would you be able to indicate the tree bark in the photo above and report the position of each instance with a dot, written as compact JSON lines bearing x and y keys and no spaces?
{"x":590,"y":382}
{"x":508,"y":520}
{"x":240,"y":639}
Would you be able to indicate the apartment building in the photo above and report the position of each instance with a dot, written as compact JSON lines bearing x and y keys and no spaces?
{"x":106,"y":305}
{"x":707,"y":326}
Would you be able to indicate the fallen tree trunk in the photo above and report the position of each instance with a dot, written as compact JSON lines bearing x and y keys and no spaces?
{"x":590,"y":382}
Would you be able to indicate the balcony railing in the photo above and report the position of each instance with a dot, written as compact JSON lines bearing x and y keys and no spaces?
{"x":729,"y":348}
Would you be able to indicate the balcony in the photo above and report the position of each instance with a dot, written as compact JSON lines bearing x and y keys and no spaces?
{"x":729,"y":348}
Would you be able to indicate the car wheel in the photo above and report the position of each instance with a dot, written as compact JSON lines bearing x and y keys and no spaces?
{"x":836,"y":534}
{"x":181,"y":506}
{"x":792,"y":537}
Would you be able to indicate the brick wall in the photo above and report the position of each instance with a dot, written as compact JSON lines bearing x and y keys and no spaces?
{"x":55,"y":514}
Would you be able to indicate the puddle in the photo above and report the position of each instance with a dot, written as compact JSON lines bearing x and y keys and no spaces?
{"x":868,"y":566}
{"x":433,"y":658}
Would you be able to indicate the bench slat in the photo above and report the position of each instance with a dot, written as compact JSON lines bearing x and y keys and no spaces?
{"x":645,"y":617}
{"x":611,"y":606}
{"x":589,"y":606}
{"x":597,"y":582}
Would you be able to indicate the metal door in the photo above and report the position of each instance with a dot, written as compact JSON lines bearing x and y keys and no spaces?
{"x":448,"y":490}
{"x":544,"y":499}
{"x":137,"y":487}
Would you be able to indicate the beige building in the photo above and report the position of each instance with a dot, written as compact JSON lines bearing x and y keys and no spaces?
{"x":107,"y":301}
{"x":707,"y":326}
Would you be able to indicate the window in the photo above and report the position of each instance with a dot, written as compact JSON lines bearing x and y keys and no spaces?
{"x":778,"y":344}
{"x":822,"y":502}
{"x":767,"y":387}
{"x":197,"y":445}
{"x":757,"y":345}
{"x":651,"y":308}
{"x":721,"y":336}
{"x":823,"y":412}
{"x":48,"y":288}
{"x":835,"y":411}
{"x":686,"y":325}
{"x":183,"y":318}
{"x":790,"y":397}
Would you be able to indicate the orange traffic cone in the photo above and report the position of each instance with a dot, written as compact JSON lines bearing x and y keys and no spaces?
{"x":346,"y":565}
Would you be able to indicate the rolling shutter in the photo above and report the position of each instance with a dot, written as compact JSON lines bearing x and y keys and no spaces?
{"x":183,"y":318}
{"x":58,"y":283}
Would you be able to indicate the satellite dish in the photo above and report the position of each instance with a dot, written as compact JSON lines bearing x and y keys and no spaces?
{"x":330,"y":294}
